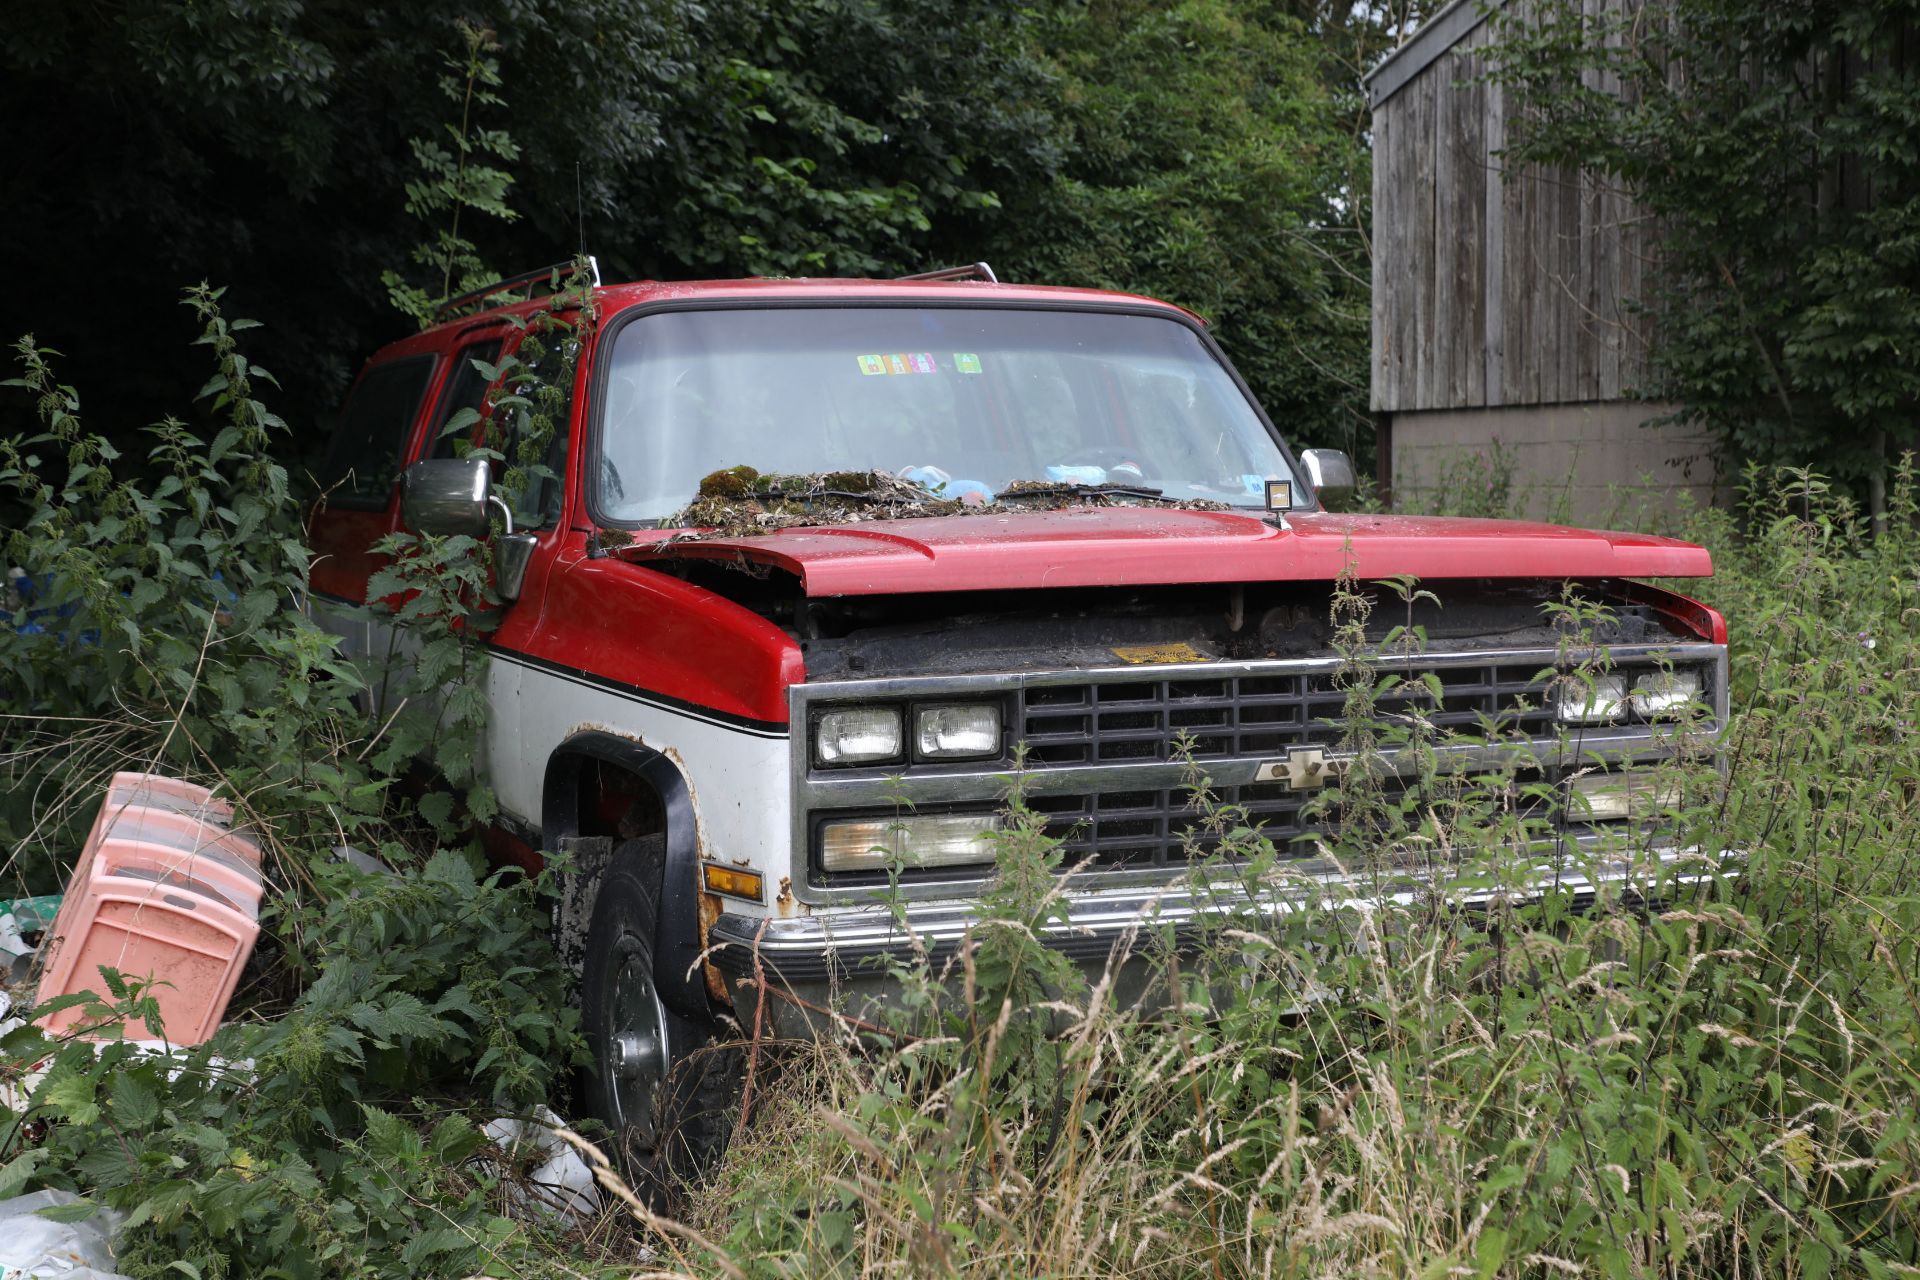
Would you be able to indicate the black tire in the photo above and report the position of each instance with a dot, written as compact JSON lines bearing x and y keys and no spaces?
{"x":668,"y":1102}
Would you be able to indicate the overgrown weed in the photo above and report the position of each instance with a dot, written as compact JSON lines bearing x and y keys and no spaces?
{"x":159,"y":628}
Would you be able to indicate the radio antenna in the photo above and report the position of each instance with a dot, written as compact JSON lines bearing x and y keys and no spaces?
{"x":579,"y":209}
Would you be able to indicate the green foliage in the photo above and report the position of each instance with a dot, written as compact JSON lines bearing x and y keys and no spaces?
{"x":832,"y":137}
{"x":329,"y":1127}
{"x":1206,"y":163}
{"x":1773,"y":143}
{"x":425,"y":979}
{"x":159,"y":629}
{"x":453,"y":179}
{"x":232,"y":1167}
{"x":436,"y":589}
{"x":1474,"y":482}
{"x":534,"y":404}
{"x":1214,"y":152}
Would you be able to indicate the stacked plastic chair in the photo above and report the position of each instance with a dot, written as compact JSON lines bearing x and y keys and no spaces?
{"x":166,"y":892}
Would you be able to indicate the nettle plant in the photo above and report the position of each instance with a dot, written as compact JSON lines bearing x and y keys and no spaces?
{"x":454,"y":174}
{"x":154,"y":621}
{"x":441,"y":588}
{"x":156,"y":625}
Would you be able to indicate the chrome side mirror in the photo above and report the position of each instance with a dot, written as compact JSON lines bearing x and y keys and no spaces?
{"x":511,"y":556}
{"x":448,"y":496}
{"x":1328,"y":470}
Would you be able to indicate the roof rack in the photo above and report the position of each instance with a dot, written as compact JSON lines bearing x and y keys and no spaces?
{"x":976,"y":271}
{"x":540,"y":275}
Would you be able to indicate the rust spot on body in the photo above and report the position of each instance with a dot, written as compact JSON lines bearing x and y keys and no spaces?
{"x":784,"y":903}
{"x":710,"y":908}
{"x":594,"y":726}
{"x":710,"y":905}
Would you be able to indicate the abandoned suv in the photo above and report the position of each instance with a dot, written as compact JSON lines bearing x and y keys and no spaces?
{"x":778,"y":747}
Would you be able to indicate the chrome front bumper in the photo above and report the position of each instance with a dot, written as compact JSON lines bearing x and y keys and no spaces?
{"x":806,"y":973}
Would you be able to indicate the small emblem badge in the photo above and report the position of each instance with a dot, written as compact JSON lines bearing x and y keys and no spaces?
{"x":1304,"y":769}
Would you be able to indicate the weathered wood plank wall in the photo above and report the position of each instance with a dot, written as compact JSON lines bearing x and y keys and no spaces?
{"x":1490,"y":288}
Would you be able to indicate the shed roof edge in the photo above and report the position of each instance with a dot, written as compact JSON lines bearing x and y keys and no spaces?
{"x":1437,"y":35}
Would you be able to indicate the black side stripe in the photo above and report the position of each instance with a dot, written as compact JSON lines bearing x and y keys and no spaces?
{"x":664,"y":702}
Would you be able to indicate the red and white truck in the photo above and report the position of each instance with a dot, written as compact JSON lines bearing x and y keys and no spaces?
{"x":724,"y":725}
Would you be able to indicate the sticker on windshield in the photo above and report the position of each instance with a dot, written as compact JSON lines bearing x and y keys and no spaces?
{"x":966,"y":362}
{"x":899,"y":362}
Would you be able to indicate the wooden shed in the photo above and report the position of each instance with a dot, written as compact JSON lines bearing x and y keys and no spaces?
{"x":1503,"y":302}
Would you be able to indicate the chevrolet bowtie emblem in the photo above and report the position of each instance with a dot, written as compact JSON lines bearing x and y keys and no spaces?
{"x":1304,"y":769}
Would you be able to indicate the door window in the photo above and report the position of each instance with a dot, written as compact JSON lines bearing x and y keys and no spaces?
{"x":365,"y":458}
{"x":533,"y":415}
{"x":466,"y":389}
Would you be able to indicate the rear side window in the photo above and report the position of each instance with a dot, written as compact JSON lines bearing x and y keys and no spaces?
{"x":466,"y":389}
{"x":365,"y":458}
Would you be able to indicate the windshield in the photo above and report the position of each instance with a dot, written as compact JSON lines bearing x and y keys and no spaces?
{"x":963,"y":400}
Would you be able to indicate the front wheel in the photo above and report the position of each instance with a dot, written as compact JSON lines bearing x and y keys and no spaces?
{"x":659,"y":1082}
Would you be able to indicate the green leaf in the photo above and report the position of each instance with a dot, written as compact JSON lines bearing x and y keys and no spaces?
{"x":72,"y":1095}
{"x":1490,"y":1250}
{"x":17,"y":1172}
{"x":133,"y":1103}
{"x":74,"y":1211}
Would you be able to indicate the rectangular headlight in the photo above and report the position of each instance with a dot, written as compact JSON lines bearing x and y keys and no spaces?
{"x":916,"y":840}
{"x":1664,"y":694}
{"x":1608,"y":797}
{"x":969,"y":732}
{"x":1590,"y":699}
{"x":857,"y":735}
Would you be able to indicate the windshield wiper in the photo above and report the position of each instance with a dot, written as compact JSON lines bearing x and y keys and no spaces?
{"x":1038,"y":490}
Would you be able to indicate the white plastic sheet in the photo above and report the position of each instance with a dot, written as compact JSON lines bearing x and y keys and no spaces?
{"x":559,"y":1183}
{"x":31,"y":1245}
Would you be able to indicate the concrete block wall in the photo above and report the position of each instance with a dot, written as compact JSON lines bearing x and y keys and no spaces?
{"x":1596,"y":464}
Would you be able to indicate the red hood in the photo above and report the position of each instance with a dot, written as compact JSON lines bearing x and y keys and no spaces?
{"x":1112,"y":546}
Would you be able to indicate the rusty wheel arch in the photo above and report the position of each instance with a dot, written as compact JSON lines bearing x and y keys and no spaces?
{"x":576,"y":814}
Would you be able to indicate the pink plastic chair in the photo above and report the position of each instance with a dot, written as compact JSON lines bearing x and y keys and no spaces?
{"x":154,"y":926}
{"x":165,"y":893}
{"x":155,"y":837}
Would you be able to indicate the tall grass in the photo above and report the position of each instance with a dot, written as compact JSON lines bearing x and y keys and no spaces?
{"x":1717,"y":1074}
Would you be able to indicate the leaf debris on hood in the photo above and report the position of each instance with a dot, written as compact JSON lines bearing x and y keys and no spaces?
{"x":741,"y":502}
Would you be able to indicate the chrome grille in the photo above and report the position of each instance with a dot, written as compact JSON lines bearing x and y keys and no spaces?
{"x":1102,"y":759}
{"x":1150,"y":828}
{"x":1125,"y":830}
{"x":1235,"y":716}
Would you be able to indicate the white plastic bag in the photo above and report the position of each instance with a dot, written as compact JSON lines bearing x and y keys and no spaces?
{"x":560,"y":1183}
{"x":31,"y":1245}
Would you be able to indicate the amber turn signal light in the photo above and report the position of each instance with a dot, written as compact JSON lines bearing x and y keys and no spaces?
{"x":734,"y":882}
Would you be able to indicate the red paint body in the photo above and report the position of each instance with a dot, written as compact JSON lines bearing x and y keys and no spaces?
{"x":616,"y":618}
{"x":1090,"y":547}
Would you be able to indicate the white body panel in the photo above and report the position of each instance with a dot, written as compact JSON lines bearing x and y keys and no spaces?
{"x":738,"y":779}
{"x":383,"y":651}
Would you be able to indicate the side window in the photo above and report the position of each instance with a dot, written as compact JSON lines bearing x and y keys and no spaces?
{"x":466,"y":389}
{"x":532,"y":416}
{"x":365,"y":458}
